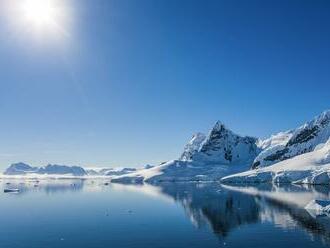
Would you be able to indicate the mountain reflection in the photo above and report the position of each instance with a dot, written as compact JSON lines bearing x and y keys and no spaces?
{"x":227,"y":208}
{"x":209,"y":203}
{"x":222,"y":208}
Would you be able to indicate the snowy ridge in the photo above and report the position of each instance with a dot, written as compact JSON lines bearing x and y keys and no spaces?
{"x":295,"y":142}
{"x":308,"y":168}
{"x":193,"y":146}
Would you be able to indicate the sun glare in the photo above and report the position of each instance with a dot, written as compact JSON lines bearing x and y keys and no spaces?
{"x":45,"y":21}
{"x":39,"y":12}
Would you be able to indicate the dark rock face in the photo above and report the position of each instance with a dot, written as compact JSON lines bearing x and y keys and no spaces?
{"x":224,"y":146}
{"x":304,"y":136}
{"x":279,"y":155}
{"x":217,"y":135}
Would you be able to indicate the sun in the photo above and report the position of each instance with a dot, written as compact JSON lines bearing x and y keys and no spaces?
{"x":40,"y":13}
{"x":44,"y":22}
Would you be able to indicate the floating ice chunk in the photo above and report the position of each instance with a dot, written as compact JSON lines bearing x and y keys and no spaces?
{"x":318,"y":207}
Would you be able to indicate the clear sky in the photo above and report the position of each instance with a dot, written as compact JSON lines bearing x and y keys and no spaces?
{"x":127,"y":82}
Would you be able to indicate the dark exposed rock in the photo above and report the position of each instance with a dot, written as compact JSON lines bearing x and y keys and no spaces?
{"x":304,"y":136}
{"x":279,"y":155}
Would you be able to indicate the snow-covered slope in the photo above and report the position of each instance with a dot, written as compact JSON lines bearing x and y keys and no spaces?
{"x":204,"y":158}
{"x":193,"y":146}
{"x":309,"y":168}
{"x":288,"y":144}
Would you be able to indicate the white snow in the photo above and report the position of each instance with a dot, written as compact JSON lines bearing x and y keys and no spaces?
{"x":193,"y":146}
{"x":279,"y":139}
{"x":204,"y":159}
{"x":285,"y":145}
{"x":308,"y":168}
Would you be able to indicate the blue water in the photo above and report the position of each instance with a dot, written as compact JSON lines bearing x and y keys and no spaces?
{"x":78,"y":213}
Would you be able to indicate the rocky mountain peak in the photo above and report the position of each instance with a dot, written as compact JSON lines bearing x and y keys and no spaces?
{"x":221,"y":146}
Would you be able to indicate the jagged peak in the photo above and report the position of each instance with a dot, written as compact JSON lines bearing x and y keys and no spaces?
{"x":221,"y":127}
{"x":323,"y":117}
{"x":218,"y":126}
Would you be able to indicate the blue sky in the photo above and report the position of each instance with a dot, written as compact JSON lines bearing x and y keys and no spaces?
{"x":133,"y":80}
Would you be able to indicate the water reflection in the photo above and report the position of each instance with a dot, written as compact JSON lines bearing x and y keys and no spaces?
{"x":223,"y":209}
{"x":227,"y":208}
{"x":46,"y":186}
{"x":210,"y":204}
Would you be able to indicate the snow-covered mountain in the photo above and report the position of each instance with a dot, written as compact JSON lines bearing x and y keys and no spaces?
{"x":300,"y":154}
{"x":25,"y":169}
{"x":222,"y":146}
{"x":54,"y":169}
{"x":308,"y":168}
{"x":289,"y":144}
{"x":204,"y":158}
{"x":20,"y":169}
{"x":222,"y":152}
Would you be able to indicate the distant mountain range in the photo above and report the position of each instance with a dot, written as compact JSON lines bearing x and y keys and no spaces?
{"x":21,"y":169}
{"x":24,"y":169}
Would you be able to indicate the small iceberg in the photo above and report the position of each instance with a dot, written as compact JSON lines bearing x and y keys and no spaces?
{"x":318,"y":207}
{"x":11,"y":190}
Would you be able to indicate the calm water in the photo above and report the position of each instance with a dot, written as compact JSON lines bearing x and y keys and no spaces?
{"x":65,"y":213}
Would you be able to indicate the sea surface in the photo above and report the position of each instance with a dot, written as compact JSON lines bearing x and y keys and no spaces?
{"x":95,"y":213}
